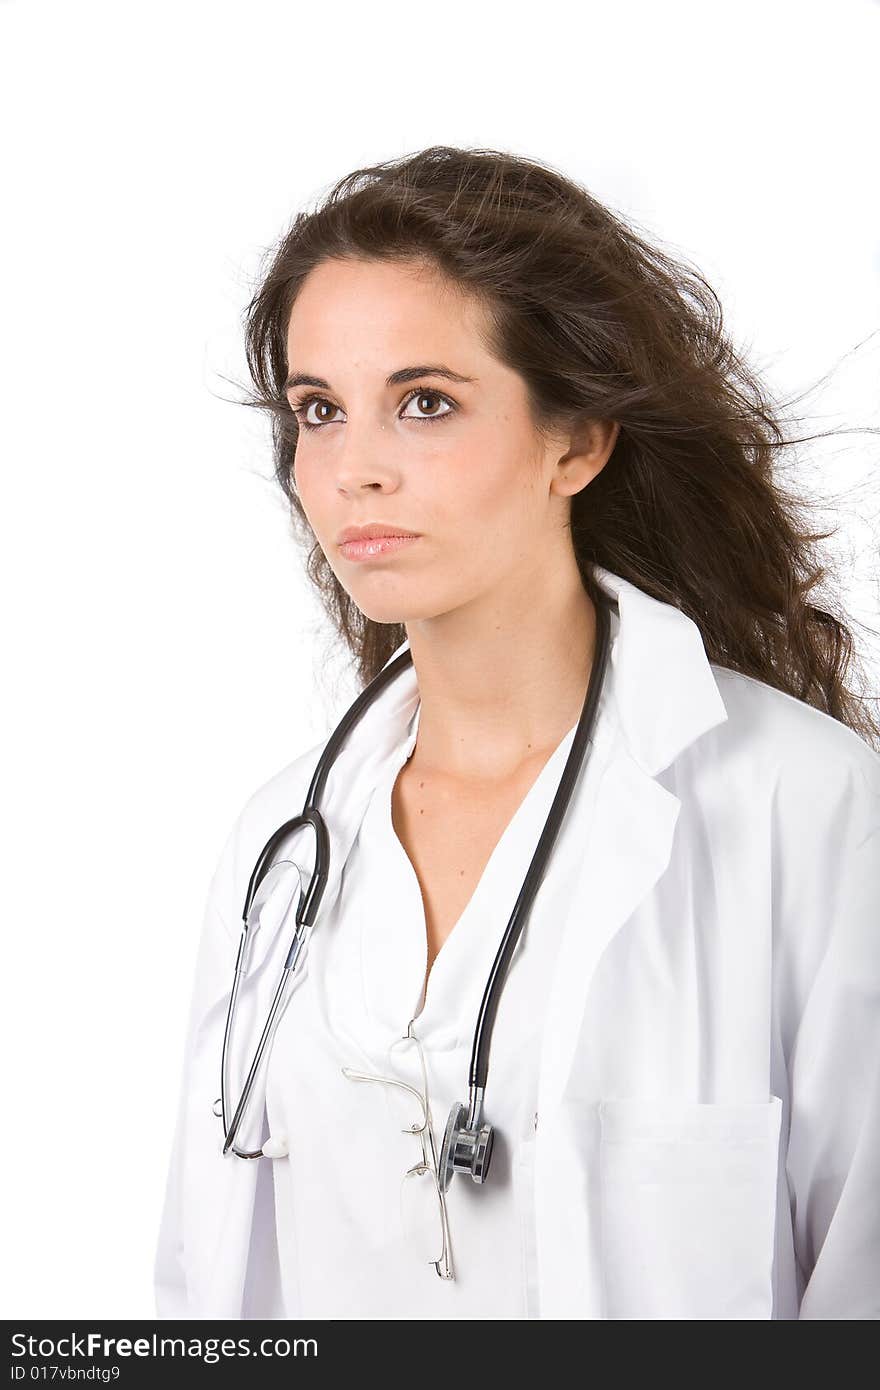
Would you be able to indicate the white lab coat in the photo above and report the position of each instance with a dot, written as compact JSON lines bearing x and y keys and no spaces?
{"x":708,"y":1143}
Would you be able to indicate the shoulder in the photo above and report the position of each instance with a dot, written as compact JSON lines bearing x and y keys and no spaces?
{"x":800,"y":777}
{"x":278,"y":799}
{"x":270,"y":805}
{"x":281,"y":796}
{"x":777,"y":734}
{"x":781,"y":803}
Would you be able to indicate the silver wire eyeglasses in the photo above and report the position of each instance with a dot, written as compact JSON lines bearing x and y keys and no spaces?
{"x":422,"y":1203}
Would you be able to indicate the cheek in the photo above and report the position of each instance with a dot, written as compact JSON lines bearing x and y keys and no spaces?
{"x":307,"y":480}
{"x":487,"y":482}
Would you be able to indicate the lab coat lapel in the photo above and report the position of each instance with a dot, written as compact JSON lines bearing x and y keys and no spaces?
{"x":665,"y":697}
{"x":628,"y":848}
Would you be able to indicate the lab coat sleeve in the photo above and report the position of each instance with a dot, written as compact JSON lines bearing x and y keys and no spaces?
{"x":215,"y":962}
{"x":832,"y":900}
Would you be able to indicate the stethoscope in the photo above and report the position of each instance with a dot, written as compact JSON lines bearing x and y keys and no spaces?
{"x":467,"y":1142}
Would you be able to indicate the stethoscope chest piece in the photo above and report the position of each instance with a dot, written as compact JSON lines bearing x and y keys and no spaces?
{"x":464,"y":1150}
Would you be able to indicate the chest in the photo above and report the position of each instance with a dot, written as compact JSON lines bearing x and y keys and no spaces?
{"x":449,"y":834}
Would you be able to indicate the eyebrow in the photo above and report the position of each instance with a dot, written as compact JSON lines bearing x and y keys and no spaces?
{"x":395,"y":379}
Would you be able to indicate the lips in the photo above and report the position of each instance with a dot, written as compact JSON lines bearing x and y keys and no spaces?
{"x":374,"y":530}
{"x":375,"y":547}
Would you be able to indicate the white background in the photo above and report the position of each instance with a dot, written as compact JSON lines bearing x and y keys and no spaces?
{"x":164,"y":656}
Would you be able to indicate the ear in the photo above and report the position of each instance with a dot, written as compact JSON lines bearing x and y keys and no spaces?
{"x":590,"y":448}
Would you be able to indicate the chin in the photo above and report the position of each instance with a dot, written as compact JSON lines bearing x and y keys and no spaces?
{"x":400,"y":610}
{"x":386,"y":613}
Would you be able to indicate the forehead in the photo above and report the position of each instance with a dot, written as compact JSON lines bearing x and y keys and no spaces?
{"x":387,"y":307}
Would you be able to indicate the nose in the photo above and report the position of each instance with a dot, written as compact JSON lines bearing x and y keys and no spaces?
{"x":364,"y":463}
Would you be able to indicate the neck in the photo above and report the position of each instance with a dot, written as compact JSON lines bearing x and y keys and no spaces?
{"x":502,"y":681}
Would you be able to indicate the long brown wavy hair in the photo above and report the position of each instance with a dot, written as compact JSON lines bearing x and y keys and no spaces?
{"x":600,"y":324}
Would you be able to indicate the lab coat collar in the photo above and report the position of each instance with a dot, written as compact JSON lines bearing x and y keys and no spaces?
{"x":666,"y":693}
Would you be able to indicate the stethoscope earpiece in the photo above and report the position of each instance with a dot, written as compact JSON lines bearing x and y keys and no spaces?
{"x":276,"y":1147}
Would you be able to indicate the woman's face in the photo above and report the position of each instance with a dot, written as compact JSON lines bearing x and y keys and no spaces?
{"x":455,"y":460}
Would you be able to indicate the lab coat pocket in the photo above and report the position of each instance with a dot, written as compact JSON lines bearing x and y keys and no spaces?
{"x":688,"y":1208}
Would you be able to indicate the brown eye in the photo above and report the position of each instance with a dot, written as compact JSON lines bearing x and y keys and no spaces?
{"x":420,"y":397}
{"x":301,"y":411}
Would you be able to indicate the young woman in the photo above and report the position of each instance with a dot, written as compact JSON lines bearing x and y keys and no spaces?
{"x":596,"y":586}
